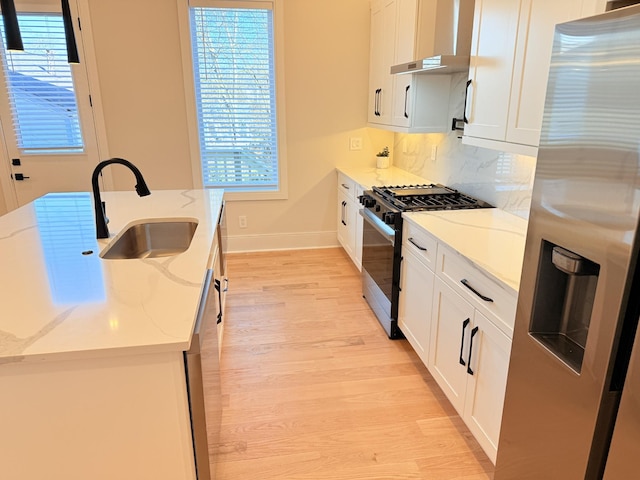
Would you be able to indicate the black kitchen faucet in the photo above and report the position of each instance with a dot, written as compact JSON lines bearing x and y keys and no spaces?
{"x":102,"y":231}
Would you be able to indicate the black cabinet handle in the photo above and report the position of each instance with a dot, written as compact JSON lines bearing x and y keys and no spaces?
{"x":218,"y":286}
{"x":344,"y":204}
{"x":375,"y":103}
{"x":466,"y":95}
{"x":344,"y":185}
{"x":419,"y":247}
{"x":406,"y":97}
{"x":376,"y":110}
{"x":465,"y":282}
{"x":464,"y":326}
{"x":473,"y":334}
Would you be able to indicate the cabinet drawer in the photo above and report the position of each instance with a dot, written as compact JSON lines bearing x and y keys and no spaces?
{"x":347,"y":186}
{"x":487,"y":295}
{"x":420,"y":242}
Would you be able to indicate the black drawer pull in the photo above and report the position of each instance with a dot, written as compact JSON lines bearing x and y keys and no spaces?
{"x":416,"y":245}
{"x":473,"y":334}
{"x":464,"y":326}
{"x":465,"y":282}
{"x":344,"y":185}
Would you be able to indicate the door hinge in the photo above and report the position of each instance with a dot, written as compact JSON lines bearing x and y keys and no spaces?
{"x":90,"y":101}
{"x":79,"y":24}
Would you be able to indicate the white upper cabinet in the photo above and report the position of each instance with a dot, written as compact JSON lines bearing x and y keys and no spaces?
{"x":405,"y":103}
{"x":490,"y":68}
{"x":382,"y":50}
{"x":510,"y":58}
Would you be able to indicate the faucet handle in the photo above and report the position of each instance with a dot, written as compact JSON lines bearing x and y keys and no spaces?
{"x":104,"y":211}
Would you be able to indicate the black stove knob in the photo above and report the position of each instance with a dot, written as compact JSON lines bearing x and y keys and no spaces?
{"x":389,"y":218}
{"x":368,"y":201}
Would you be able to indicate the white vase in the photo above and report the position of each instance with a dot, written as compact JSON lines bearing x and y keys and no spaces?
{"x":382,"y":162}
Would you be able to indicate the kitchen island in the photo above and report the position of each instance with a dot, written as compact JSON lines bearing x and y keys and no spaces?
{"x":92,"y":377}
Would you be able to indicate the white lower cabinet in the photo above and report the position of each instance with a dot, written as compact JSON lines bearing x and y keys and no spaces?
{"x":414,"y":314}
{"x":349,"y":226}
{"x":459,"y":321}
{"x":419,"y":251}
{"x":346,"y":223}
{"x":469,"y":359}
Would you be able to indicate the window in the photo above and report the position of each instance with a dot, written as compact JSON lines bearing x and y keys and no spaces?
{"x":235,"y":94}
{"x":40,"y":88}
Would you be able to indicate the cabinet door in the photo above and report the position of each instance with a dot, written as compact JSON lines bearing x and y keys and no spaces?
{"x":407,"y":11}
{"x":531,"y":69}
{"x":490,"y":351}
{"x":404,"y":52}
{"x":346,"y":223}
{"x":383,"y":29}
{"x":358,"y":231}
{"x":416,"y":297}
{"x":449,"y":345}
{"x":490,"y":68}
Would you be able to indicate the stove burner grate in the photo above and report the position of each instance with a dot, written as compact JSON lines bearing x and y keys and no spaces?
{"x":410,"y":198}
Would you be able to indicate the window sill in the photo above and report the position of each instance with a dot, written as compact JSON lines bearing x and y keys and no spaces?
{"x":247,"y":196}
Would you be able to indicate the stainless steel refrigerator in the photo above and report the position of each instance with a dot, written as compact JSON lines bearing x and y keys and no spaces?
{"x":572,"y":406}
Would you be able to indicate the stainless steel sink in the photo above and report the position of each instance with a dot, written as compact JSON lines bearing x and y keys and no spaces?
{"x":152,"y":238}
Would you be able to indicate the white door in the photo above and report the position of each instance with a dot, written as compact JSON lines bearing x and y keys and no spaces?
{"x":531,"y":69}
{"x":495,"y":24}
{"x":416,"y":297}
{"x":451,"y":324}
{"x":487,"y":384}
{"x":383,"y":28}
{"x":46,"y":118}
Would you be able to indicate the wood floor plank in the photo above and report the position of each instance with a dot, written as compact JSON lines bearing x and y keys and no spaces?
{"x":313,"y":388}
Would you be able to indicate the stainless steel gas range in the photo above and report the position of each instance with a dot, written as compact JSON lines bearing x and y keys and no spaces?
{"x":382,"y":240}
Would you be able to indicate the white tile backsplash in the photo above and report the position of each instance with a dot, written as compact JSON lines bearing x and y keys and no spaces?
{"x":502,"y":179}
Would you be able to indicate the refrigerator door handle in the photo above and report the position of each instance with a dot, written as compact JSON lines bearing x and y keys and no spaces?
{"x":473,"y":334}
{"x":464,"y":326}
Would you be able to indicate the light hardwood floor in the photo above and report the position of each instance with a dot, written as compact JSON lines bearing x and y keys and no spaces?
{"x":313,"y":388}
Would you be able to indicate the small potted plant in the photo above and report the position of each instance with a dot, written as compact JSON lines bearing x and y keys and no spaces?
{"x":382,"y":158}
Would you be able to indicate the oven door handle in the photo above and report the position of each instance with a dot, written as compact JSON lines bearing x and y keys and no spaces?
{"x":382,"y":228}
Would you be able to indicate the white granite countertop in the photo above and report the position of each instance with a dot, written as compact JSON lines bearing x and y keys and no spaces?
{"x":370,"y":177}
{"x":56,"y":302}
{"x":489,"y":237}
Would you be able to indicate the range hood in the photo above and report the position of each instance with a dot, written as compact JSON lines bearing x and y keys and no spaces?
{"x":443,"y":38}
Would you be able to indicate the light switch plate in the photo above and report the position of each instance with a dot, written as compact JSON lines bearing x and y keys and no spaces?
{"x":355,"y":143}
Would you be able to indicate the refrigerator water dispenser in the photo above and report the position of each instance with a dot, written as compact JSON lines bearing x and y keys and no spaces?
{"x":563,"y":303}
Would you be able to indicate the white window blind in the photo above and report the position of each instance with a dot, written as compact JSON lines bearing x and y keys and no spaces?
{"x":40,"y":87}
{"x":235,"y":97}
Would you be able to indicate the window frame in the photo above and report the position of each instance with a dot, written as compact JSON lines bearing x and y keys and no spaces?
{"x":22,"y":122}
{"x":190,"y":96}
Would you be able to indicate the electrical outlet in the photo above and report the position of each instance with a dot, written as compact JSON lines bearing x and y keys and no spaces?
{"x":242,"y":221}
{"x":355,"y":143}
{"x":434,"y":153}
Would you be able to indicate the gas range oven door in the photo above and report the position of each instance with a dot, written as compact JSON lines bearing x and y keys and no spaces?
{"x":381,"y":271}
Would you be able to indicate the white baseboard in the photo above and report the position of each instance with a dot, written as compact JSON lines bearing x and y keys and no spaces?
{"x":281,"y":241}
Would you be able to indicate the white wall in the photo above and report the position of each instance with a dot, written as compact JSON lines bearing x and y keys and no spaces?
{"x":137,"y":49}
{"x":326,"y":80}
